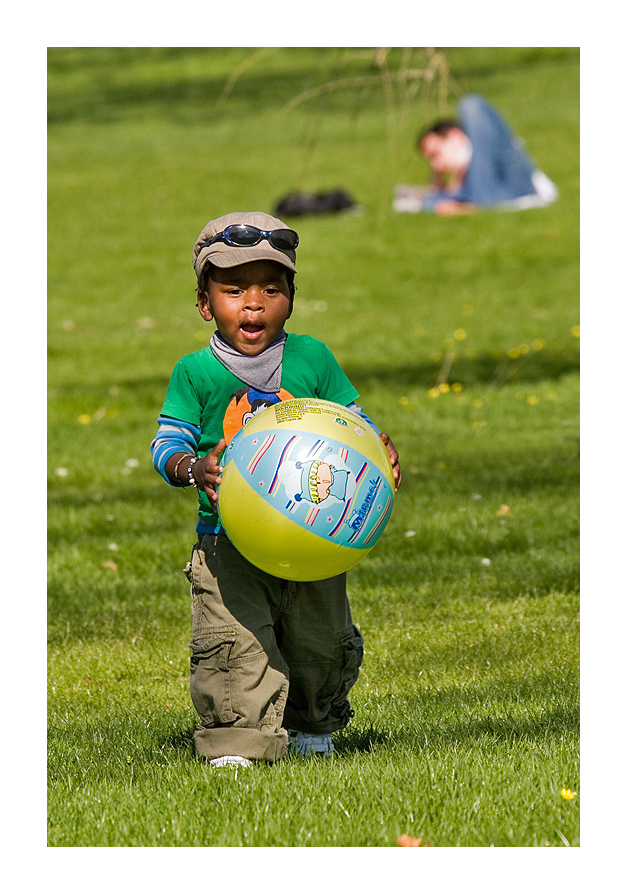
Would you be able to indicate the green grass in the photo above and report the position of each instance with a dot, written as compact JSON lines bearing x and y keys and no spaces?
{"x":466,"y":710}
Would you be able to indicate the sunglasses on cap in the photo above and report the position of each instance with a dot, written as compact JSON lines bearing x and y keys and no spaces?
{"x":245,"y":236}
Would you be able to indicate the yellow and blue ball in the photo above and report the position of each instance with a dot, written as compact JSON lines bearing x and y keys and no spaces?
{"x":307,"y":489}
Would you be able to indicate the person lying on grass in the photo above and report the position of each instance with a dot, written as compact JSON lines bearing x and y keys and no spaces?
{"x":255,"y":695}
{"x":476,"y":162}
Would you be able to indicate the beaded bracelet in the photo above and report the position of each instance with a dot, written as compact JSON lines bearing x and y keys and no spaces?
{"x":176,"y":467}
{"x":190,"y":470}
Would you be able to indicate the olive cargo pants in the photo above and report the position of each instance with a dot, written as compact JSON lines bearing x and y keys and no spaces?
{"x":267,"y":654}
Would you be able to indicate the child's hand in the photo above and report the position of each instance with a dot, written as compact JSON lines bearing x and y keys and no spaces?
{"x":207,"y":473}
{"x":396,"y":467}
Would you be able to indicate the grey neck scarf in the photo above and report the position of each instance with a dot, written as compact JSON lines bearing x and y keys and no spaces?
{"x":263,"y":372}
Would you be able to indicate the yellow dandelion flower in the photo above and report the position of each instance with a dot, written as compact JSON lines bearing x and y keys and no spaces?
{"x":434,"y":392}
{"x":456,"y":387}
{"x":445,"y":388}
{"x":532,"y":400}
{"x":513,"y":353}
{"x":537,"y":344}
{"x":523,"y":349}
{"x":84,"y":419}
{"x":477,"y":403}
{"x":575,"y":331}
{"x":459,"y":334}
{"x":567,"y":794}
{"x":404,"y":402}
{"x":448,"y":343}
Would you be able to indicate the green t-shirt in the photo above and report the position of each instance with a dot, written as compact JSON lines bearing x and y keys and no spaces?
{"x":203,"y":392}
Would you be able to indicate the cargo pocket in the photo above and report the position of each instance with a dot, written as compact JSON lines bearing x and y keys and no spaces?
{"x":260,"y":692}
{"x":208,"y":613}
{"x":211,"y":676}
{"x":196,"y":559}
{"x":352,"y":645}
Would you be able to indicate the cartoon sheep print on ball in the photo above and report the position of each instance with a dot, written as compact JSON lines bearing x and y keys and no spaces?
{"x":307,"y":489}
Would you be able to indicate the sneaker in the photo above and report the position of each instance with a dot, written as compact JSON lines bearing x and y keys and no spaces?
{"x":230,"y":759}
{"x":306,"y":745}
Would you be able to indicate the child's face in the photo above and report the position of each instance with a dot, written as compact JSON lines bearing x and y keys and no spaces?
{"x":249,"y":303}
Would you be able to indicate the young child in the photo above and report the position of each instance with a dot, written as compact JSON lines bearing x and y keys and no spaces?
{"x":272,"y":660}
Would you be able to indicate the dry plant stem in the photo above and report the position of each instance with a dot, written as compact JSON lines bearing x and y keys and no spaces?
{"x":445,"y":368}
{"x":244,"y":66}
{"x":505,"y":370}
{"x":397,"y":77}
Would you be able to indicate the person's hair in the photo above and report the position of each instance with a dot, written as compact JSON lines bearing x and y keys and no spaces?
{"x":439,"y":128}
{"x":205,"y":276}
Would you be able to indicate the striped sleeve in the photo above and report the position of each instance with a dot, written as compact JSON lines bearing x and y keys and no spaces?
{"x":361,"y":413}
{"x":173,"y":436}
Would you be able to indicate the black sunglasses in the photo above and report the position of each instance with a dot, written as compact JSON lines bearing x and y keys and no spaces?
{"x":245,"y":236}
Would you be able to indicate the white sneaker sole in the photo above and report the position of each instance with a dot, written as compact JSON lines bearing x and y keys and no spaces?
{"x":230,"y":759}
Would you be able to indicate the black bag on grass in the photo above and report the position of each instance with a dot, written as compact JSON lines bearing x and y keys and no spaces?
{"x":298,"y":204}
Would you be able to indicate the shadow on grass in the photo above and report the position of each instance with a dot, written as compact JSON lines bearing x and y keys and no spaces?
{"x":483,"y":370}
{"x":182,"y":742}
{"x":186,"y":98}
{"x":550,"y":723}
{"x":353,"y":739}
{"x":504,"y":728}
{"x":100,"y":95}
{"x":546,"y":724}
{"x":172,"y":738}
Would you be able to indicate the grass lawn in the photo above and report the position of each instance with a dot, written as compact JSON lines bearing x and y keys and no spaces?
{"x":461,"y":336}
